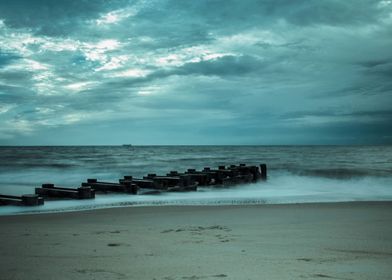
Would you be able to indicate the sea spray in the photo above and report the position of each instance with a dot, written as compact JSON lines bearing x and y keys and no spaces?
{"x":296,"y":174}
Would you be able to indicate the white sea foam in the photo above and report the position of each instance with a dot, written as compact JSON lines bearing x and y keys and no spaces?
{"x":296,"y":173}
{"x":280,"y":188}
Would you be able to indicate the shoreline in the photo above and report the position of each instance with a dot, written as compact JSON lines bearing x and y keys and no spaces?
{"x":348,"y":240}
{"x":130,"y":205}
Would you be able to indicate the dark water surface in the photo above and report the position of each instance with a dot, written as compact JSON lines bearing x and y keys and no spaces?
{"x":296,"y":173}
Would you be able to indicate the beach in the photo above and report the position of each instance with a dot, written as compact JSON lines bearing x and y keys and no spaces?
{"x":288,"y":241}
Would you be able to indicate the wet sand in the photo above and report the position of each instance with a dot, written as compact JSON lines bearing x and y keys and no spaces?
{"x":298,"y":241}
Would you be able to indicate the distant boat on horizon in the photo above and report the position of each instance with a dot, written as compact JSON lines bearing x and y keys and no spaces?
{"x":127,"y":145}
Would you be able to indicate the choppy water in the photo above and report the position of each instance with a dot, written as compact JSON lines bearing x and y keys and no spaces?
{"x":295,"y":173}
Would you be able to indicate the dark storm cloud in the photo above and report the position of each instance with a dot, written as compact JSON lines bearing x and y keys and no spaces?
{"x":223,"y":66}
{"x":7,"y":58}
{"x":16,"y":77}
{"x":207,"y":71}
{"x":384,"y":68}
{"x":52,"y":17}
{"x":248,"y":12}
{"x":174,"y":23}
{"x":333,"y":12}
{"x":14,"y":94}
{"x":359,"y":116}
{"x":354,"y":132}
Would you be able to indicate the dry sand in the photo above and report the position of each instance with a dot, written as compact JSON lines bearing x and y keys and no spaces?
{"x":304,"y":241}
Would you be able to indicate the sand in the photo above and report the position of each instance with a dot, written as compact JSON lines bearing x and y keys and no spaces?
{"x":302,"y":241}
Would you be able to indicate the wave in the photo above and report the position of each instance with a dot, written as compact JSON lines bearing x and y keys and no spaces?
{"x":30,"y":165}
{"x":295,"y":174}
{"x":343,"y":173}
{"x":285,"y":188}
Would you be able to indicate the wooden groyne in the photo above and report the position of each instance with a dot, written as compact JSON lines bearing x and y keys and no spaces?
{"x":189,"y":180}
{"x":173,"y":181}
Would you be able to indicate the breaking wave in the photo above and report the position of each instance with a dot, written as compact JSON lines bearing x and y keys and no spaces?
{"x":295,"y":174}
{"x":280,"y":188}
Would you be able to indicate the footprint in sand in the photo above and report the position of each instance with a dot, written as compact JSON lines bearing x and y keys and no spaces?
{"x":322,"y":275}
{"x":195,"y":277}
{"x":109,"y":231}
{"x":107,"y":274}
{"x":114,"y":244}
{"x":304,"y":259}
{"x":206,"y":231}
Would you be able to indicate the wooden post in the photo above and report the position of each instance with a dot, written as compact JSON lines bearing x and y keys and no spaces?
{"x":134,"y":189}
{"x":255,"y":172}
{"x":31,"y":200}
{"x":263,"y":170}
{"x":85,"y":192}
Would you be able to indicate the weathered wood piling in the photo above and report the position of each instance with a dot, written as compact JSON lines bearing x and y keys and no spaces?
{"x":173,"y":181}
{"x":126,"y":187}
{"x":263,"y":170}
{"x":24,"y":200}
{"x":50,"y":191}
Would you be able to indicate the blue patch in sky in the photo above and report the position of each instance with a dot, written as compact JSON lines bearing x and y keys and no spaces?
{"x":78,"y":59}
{"x":6,"y":58}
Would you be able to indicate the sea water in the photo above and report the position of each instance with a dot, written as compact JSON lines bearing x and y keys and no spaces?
{"x":296,"y":174}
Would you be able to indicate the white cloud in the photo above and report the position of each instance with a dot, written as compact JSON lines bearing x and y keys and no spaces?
{"x":114,"y":63}
{"x":22,"y":126}
{"x":250,"y":37}
{"x":116,"y":16}
{"x":98,"y":51}
{"x":107,"y":45}
{"x":44,"y":110}
{"x":59,"y":45}
{"x":133,"y":72}
{"x":5,"y":108}
{"x":35,"y":65}
{"x":181,"y":56}
{"x":79,"y":86}
{"x":384,"y":4}
{"x":72,"y":118}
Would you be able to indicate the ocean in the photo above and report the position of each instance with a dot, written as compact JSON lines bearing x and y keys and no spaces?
{"x":296,"y":174}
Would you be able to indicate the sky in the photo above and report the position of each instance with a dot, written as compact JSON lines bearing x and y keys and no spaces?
{"x":168,"y":72}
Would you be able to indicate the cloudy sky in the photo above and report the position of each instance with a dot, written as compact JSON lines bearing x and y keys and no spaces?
{"x":195,"y":72}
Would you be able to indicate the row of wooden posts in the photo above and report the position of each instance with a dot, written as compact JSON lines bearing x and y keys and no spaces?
{"x":150,"y":184}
